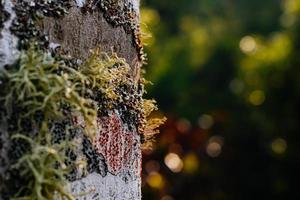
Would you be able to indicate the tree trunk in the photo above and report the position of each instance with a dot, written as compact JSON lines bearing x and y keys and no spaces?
{"x":68,"y":31}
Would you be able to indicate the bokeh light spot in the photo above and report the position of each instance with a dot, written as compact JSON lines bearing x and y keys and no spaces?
{"x":155,"y":180}
{"x":248,"y":44}
{"x":191,"y":163}
{"x":257,"y":97}
{"x":214,"y":146}
{"x":279,"y":146}
{"x":173,"y":162}
{"x":213,"y":149}
{"x":206,"y":121}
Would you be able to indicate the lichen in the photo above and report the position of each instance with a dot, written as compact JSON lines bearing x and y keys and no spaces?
{"x":53,"y":109}
{"x":37,"y":92}
{"x":119,"y":92}
{"x":41,"y":84}
{"x":42,"y":168}
{"x":149,"y":125}
{"x":47,"y":103}
{"x":124,"y":13}
{"x":30,"y":12}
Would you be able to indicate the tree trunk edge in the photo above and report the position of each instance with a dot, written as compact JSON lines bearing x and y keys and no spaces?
{"x":70,"y":29}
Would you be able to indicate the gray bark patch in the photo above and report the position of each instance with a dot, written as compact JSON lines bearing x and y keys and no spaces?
{"x":78,"y":33}
{"x":8,"y":43}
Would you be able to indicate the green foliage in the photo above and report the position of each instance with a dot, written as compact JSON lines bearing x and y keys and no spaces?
{"x":228,"y":69}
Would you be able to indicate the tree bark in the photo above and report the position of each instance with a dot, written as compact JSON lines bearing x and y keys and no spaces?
{"x":71,"y":29}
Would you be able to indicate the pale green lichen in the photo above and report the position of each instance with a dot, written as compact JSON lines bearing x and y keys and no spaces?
{"x":40,"y":91}
{"x":43,"y":167}
{"x":42,"y":85}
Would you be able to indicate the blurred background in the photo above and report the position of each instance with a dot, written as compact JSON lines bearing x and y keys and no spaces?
{"x":226,"y":73}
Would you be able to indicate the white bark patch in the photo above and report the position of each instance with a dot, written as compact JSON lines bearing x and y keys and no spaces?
{"x":121,"y":150}
{"x":110,"y":187}
{"x":8,"y":43}
{"x":136,"y":6}
{"x":80,"y":3}
{"x":54,"y":46}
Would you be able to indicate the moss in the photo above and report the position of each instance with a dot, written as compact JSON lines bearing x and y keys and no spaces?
{"x":37,"y":92}
{"x":41,"y":84}
{"x":117,"y":90}
{"x":43,"y":168}
{"x":40,"y":98}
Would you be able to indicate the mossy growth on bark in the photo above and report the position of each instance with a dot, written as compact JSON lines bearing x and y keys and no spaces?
{"x":30,"y":13}
{"x":122,"y":13}
{"x":40,"y":92}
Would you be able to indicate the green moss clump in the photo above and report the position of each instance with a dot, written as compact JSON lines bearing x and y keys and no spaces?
{"x":37,"y":92}
{"x":40,"y":91}
{"x":41,"y":84}
{"x":111,"y":81}
{"x":43,"y":167}
{"x":105,"y":74}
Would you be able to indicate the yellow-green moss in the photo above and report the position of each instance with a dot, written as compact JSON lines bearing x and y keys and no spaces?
{"x":42,"y":90}
{"x":41,"y":84}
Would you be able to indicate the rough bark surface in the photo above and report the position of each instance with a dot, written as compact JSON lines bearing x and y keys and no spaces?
{"x":78,"y":33}
{"x":115,"y":152}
